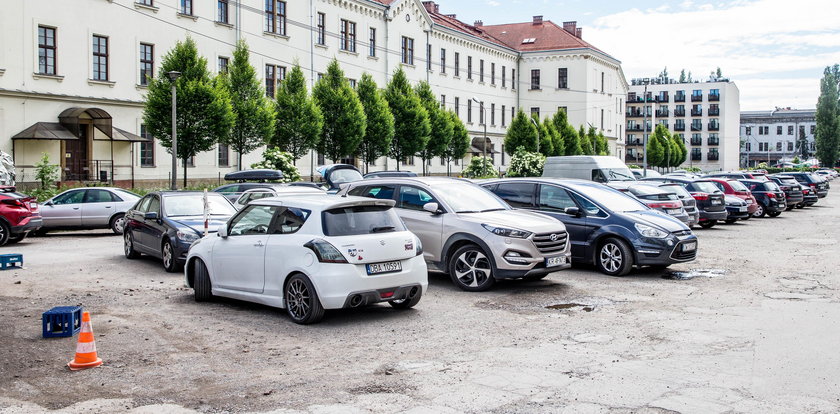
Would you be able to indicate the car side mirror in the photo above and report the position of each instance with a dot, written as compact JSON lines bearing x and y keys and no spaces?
{"x":572,"y":211}
{"x":49,"y":203}
{"x":223,"y":232}
{"x":150,"y":215}
{"x":433,"y":208}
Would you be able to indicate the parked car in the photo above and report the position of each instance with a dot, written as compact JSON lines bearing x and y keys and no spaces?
{"x":739,"y":175}
{"x":233,"y":191}
{"x":598,"y":168}
{"x":817,"y":184}
{"x":165,"y":224}
{"x":659,"y":199}
{"x":309,"y":253}
{"x":709,"y":198}
{"x":246,"y":180}
{"x":640,"y":173}
{"x":769,"y":197}
{"x":736,"y":209}
{"x":470,"y":233}
{"x":607,"y":228}
{"x":336,"y":175}
{"x":19,"y":215}
{"x":688,"y":202}
{"x":791,"y":187}
{"x":390,"y":174}
{"x":273,"y":191}
{"x":809,"y":196}
{"x":737,"y":189}
{"x":88,"y":208}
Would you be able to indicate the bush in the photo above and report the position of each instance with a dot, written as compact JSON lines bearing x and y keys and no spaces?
{"x":526,"y":164}
{"x":46,"y":173}
{"x":480,"y":167}
{"x":275,"y":159}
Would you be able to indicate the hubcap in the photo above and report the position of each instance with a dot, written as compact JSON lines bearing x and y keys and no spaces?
{"x":119,"y":224}
{"x":127,"y":244}
{"x":473,"y":268}
{"x":298,"y":299}
{"x":611,"y":257}
{"x":167,"y":254}
{"x":759,"y":210}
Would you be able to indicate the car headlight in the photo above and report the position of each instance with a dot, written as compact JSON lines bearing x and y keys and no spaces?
{"x":187,"y":236}
{"x":505,"y":232}
{"x":649,"y":231}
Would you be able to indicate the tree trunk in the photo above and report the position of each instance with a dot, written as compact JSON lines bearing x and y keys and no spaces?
{"x":185,"y":174}
{"x":239,"y":161}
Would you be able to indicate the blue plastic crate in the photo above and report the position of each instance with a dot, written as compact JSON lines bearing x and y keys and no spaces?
{"x":62,"y":321}
{"x":12,"y":260}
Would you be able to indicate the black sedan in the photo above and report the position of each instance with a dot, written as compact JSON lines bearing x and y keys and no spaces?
{"x":606,"y":227}
{"x":164,"y":224}
{"x":710,"y":200}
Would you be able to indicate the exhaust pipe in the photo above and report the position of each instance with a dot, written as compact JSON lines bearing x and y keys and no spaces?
{"x":355,"y":301}
{"x":413,"y":292}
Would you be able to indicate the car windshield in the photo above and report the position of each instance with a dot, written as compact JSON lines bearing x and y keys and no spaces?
{"x":771,"y":186}
{"x":705,"y":186}
{"x":676,"y":189}
{"x":613,"y":199}
{"x":193,"y":205}
{"x":126,"y":195}
{"x":350,"y":221}
{"x":737,"y":186}
{"x":345,"y":175}
{"x":463,"y":197}
{"x":619,"y":174}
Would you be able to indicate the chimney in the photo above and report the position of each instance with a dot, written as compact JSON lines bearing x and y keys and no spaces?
{"x":430,"y":6}
{"x":537,"y":20}
{"x":478,"y":23}
{"x":579,"y":32}
{"x":570,"y":27}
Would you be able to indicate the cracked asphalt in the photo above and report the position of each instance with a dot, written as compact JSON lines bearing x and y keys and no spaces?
{"x":750,"y":326}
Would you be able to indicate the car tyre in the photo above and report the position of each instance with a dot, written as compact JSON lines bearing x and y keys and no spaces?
{"x":407,"y":303}
{"x":761,"y":211}
{"x":118,"y":223}
{"x":471,"y":269}
{"x":614,"y":257}
{"x":16,"y":238}
{"x":708,"y":224}
{"x":202,"y":285}
{"x":774,"y":213}
{"x":730,"y":221}
{"x":800,"y":205}
{"x":5,"y":233}
{"x":170,"y":262}
{"x":128,"y":246}
{"x":301,"y":300}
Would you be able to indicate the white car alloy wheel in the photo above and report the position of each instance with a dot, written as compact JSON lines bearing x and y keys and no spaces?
{"x":472,"y":270}
{"x":610,"y":257}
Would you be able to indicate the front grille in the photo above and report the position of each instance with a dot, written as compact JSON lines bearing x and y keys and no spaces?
{"x":677,"y":254}
{"x":546,"y":246}
{"x":682,"y":233}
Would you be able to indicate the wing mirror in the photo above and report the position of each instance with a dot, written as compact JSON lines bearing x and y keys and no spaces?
{"x":572,"y":211}
{"x":150,"y":215}
{"x":433,"y":208}
{"x":49,"y":203}
{"x":223,"y":231}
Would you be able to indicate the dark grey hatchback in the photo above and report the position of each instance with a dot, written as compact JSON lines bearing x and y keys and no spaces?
{"x":612,"y":230}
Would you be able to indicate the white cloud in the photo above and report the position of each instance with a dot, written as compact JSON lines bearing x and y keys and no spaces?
{"x":759,"y":44}
{"x":493,"y":3}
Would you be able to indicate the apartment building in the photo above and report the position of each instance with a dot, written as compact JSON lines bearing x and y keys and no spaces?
{"x":777,"y":136}
{"x":72,"y":84}
{"x":702,"y":114}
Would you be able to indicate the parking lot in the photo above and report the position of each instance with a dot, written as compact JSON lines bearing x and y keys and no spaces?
{"x":750,"y":326}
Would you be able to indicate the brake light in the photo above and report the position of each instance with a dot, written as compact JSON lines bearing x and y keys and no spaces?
{"x":812,"y":184}
{"x":325,"y":252}
{"x":771,"y":195}
{"x":700,"y":196}
{"x":664,"y":205}
{"x":12,"y":202}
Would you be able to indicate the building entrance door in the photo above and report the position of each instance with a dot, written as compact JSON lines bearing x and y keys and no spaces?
{"x":76,"y":157}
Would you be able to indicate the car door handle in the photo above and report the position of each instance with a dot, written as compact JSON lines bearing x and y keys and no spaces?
{"x":107,"y":206}
{"x":259,"y":243}
{"x":75,"y":208}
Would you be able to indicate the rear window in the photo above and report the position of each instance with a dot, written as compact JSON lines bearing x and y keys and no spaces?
{"x":737,"y":186}
{"x":771,"y":186}
{"x":705,"y":186}
{"x":351,"y":221}
{"x":676,"y":189}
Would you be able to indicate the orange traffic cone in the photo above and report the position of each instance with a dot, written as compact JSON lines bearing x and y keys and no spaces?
{"x":86,"y":348}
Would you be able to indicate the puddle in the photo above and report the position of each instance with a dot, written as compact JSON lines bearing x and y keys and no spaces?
{"x":562,"y":306}
{"x":691,"y":274}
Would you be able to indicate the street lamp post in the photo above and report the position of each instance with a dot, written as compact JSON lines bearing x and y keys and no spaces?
{"x":173,"y":76}
{"x":533,"y":121}
{"x":481,"y":107}
{"x":644,"y":128}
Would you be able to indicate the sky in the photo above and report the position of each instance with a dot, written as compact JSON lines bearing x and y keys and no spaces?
{"x":774,"y":50}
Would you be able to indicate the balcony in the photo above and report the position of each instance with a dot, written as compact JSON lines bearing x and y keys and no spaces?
{"x":714,"y":97}
{"x":634,"y":128}
{"x":633,"y":158}
{"x":696,"y":112}
{"x":679,"y":112}
{"x":661,"y":112}
{"x":696,"y":156}
{"x":696,"y":127}
{"x":714,"y":126}
{"x":714,"y":111}
{"x":679,"y":98}
{"x":696,"y":98}
{"x":696,"y":141}
{"x":714,"y":141}
{"x":633,"y":114}
{"x":712,"y":156}
{"x":662,"y":98}
{"x":634,"y":142}
{"x":679,"y":127}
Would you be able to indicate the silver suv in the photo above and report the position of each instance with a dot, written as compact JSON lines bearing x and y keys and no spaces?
{"x":470,"y":233}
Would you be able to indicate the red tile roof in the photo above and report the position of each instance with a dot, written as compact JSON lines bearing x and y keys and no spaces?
{"x":547,"y":36}
{"x":451,"y":22}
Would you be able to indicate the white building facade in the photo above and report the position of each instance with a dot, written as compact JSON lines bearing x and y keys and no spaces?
{"x":777,"y":136}
{"x":72,"y":85}
{"x":705,"y":115}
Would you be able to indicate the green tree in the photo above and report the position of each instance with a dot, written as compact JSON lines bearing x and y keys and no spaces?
{"x":480,"y":167}
{"x":676,"y":154}
{"x":344,"y":117}
{"x":275,"y":159}
{"x":460,"y":142}
{"x":521,"y":133}
{"x":719,"y":73}
{"x":554,"y":138}
{"x":439,"y":121}
{"x":546,"y":129}
{"x":655,"y":150}
{"x":411,"y":121}
{"x":204,"y":112}
{"x":828,"y":118}
{"x":585,"y":143}
{"x":299,"y":119}
{"x":683,"y":154}
{"x":46,"y":173}
{"x":603,"y":144}
{"x":380,"y":121}
{"x":802,"y":146}
{"x":526,"y":164}
{"x":568,"y":134}
{"x":254,"y":112}
{"x":682,"y":76}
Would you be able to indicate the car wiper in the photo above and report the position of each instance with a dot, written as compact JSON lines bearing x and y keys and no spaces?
{"x":491,"y":209}
{"x":467,"y":211}
{"x":382,"y":229}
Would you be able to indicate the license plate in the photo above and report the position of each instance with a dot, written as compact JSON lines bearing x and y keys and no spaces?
{"x":555,"y":261}
{"x":672,"y":210}
{"x":742,"y":209}
{"x":386,"y":267}
{"x":749,"y":201}
{"x":716,"y":202}
{"x":689,"y":247}
{"x":33,"y":205}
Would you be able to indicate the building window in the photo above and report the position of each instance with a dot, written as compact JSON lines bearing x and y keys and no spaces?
{"x":790,"y":129}
{"x":493,"y":114}
{"x":535,"y":111}
{"x":348,"y":36}
{"x":469,"y":111}
{"x":512,"y":80}
{"x":321,"y":38}
{"x":535,"y":79}
{"x":222,"y":11}
{"x":321,"y":160}
{"x":469,"y":67}
{"x":492,"y":73}
{"x":275,"y":17}
{"x":481,"y":70}
{"x":457,"y":64}
{"x":512,"y":112}
{"x":223,"y":64}
{"x":187,"y":7}
{"x":602,"y":120}
{"x":442,"y":60}
{"x":443,"y":102}
{"x":147,"y":148}
{"x":372,"y":42}
{"x":408,"y":160}
{"x":147,"y":63}
{"x":790,"y":145}
{"x":270,"y":80}
{"x":563,"y":78}
{"x":748,"y":130}
{"x":503,"y":114}
{"x":428,"y":57}
{"x":407,"y":50}
{"x":481,"y":113}
{"x":457,"y":106}
{"x":146,"y":2}
{"x":602,"y":82}
{"x":504,"y":80}
{"x":748,"y":147}
{"x":100,"y":58}
{"x":779,"y":146}
{"x":779,"y":130}
{"x":352,"y":83}
{"x":46,"y":50}
{"x":224,"y":155}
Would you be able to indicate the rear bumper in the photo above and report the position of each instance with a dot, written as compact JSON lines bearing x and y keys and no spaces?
{"x":338,"y":283}
{"x":775,"y":206}
{"x":368,"y":297}
{"x":736,"y":213}
{"x":27,"y":225}
{"x":792,"y":200}
{"x":713,"y":215}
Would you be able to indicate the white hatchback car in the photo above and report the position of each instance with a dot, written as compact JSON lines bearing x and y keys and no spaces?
{"x":308,"y":253}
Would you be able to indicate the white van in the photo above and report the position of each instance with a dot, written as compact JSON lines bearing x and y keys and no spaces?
{"x":599,"y":168}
